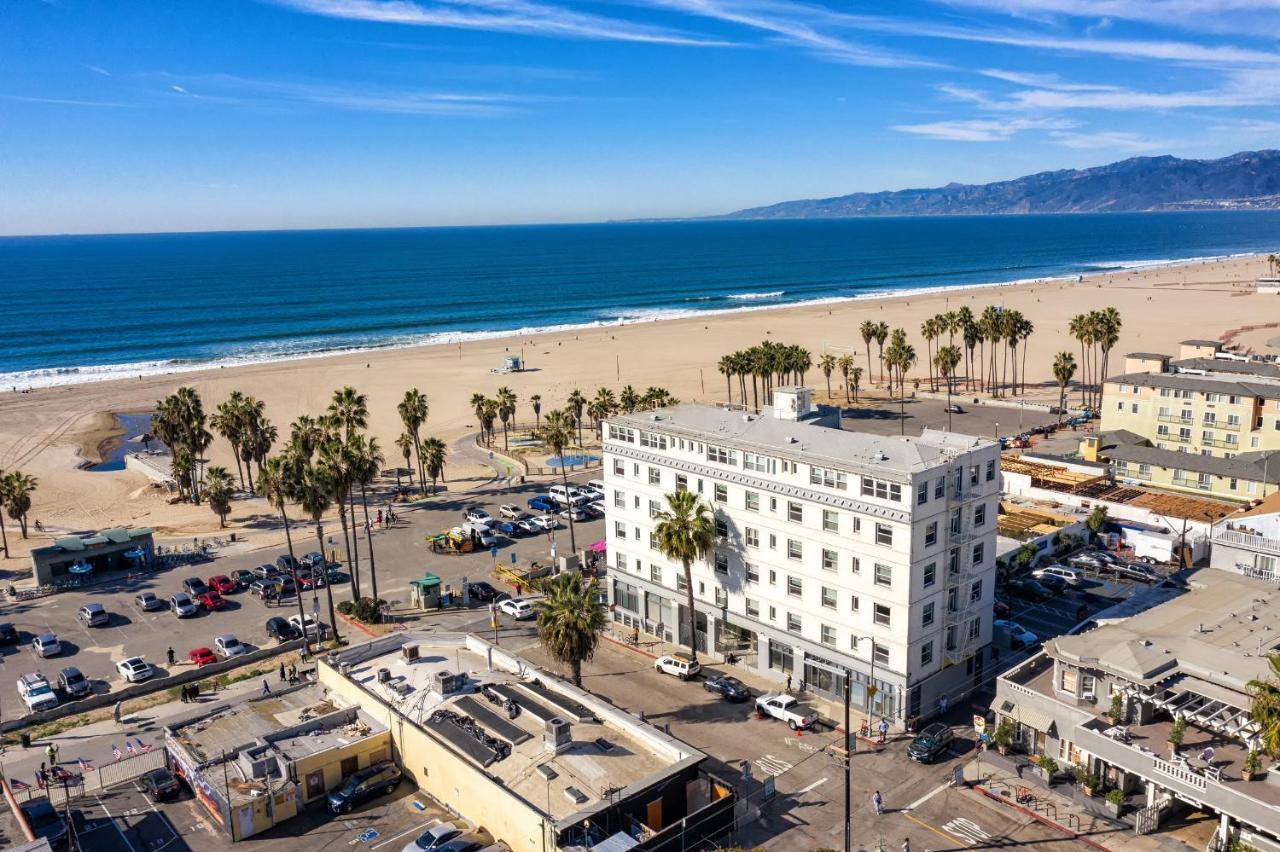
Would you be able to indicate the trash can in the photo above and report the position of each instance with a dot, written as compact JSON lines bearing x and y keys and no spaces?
{"x":26,"y":739}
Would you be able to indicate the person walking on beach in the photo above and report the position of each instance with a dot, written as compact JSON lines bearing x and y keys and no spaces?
{"x":282,"y":674}
{"x":266,"y":687}
{"x":115,"y":711}
{"x":877,"y":803}
{"x":906,"y":844}
{"x":171,"y":655}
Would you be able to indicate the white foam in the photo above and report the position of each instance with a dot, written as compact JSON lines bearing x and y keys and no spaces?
{"x":747,"y":297}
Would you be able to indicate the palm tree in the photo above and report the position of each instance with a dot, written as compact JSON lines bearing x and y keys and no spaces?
{"x":947,"y":359}
{"x":413,"y":410}
{"x":725,"y":367}
{"x":335,"y":463}
{"x":315,"y":495}
{"x":604,"y":404}
{"x":570,"y":620}
{"x":576,"y":403}
{"x":882,"y":334}
{"x":350,"y":409}
{"x":1081,"y":328}
{"x":629,"y":400}
{"x":1266,"y":706}
{"x":259,"y":436}
{"x":827,"y":363}
{"x":868,"y":332}
{"x":972,"y":335}
{"x":488,"y":414}
{"x":4,"y":534}
{"x":506,"y":411}
{"x":218,"y":488}
{"x":1064,"y":369}
{"x":1109,"y":325}
{"x":855,"y":379}
{"x":405,"y":444}
{"x":477,"y":406}
{"x":18,"y":488}
{"x":990,"y":326}
{"x":276,"y":482}
{"x":536,"y":402}
{"x":229,"y":422}
{"x":557,"y":433}
{"x":1026,"y":328}
{"x":366,"y":459}
{"x":434,"y":452}
{"x":930,"y":329}
{"x":686,"y":533}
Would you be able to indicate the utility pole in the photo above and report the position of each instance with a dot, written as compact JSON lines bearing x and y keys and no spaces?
{"x":849,"y":742}
{"x":72,"y":842}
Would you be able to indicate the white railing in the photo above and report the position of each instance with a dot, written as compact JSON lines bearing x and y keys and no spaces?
{"x":1235,"y":538}
{"x":1180,"y":773}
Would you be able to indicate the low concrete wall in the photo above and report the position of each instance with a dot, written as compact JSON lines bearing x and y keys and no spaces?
{"x":135,"y":690}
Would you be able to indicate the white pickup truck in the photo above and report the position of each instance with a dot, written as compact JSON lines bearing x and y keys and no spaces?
{"x":787,"y":709}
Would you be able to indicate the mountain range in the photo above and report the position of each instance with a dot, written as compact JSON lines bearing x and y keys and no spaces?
{"x":1249,"y":180}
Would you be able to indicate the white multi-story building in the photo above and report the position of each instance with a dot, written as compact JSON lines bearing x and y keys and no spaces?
{"x":837,"y":552}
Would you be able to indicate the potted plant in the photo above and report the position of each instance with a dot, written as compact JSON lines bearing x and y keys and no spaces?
{"x":1087,"y":781}
{"x":1117,"y":710}
{"x":1177,"y":733}
{"x":1003,"y":736}
{"x":1047,"y":767}
{"x":1115,"y":801}
{"x":1252,"y":767}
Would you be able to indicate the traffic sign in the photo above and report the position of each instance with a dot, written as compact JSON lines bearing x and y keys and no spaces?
{"x":979,"y":723}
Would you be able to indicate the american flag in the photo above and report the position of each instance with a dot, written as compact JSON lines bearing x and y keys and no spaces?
{"x":128,"y":744}
{"x":18,"y":786}
{"x":85,"y":766}
{"x":40,"y":780}
{"x":144,"y":747}
{"x":115,"y":750}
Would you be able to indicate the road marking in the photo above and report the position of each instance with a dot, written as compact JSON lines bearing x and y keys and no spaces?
{"x":927,"y":796}
{"x":424,"y":827}
{"x":117,"y":825}
{"x":967,"y":830}
{"x":173,"y":834}
{"x":772,"y":765}
{"x":815,"y":785}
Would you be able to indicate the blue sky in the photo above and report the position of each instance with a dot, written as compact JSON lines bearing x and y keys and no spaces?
{"x":135,"y":115}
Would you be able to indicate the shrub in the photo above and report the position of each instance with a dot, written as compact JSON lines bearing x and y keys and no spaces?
{"x":368,"y":610}
{"x":346,"y":607}
{"x":1085,"y":778}
{"x":1115,"y":797}
{"x":1003,"y":736}
{"x":1117,"y":707}
{"x":1178,"y":731}
{"x":1252,"y":762}
{"x":1047,"y":763}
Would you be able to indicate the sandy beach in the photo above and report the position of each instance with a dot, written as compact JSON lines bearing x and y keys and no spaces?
{"x":48,"y":432}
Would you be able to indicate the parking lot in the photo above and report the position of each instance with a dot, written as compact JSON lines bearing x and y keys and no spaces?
{"x":402,"y":554}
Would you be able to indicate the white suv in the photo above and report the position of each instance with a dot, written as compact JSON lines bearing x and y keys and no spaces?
{"x":682,"y":666}
{"x":36,"y":692}
{"x":1072,"y":576}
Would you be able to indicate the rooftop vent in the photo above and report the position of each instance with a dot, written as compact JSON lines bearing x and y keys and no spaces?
{"x":655,"y":417}
{"x":547,"y":772}
{"x":575,"y":795}
{"x":747,"y":418}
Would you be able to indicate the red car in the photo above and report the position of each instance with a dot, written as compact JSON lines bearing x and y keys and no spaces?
{"x":211,"y":601}
{"x":310,"y":581}
{"x":222,"y":584}
{"x":1001,"y":609}
{"x":202,"y":656}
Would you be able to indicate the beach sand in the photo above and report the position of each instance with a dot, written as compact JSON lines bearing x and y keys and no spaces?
{"x":47,"y":432}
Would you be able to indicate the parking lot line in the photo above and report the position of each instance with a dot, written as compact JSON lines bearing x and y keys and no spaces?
{"x":117,"y":825}
{"x":927,"y":796}
{"x":419,"y":828}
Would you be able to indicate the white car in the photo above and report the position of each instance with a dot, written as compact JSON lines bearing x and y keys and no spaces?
{"x":596,"y":485}
{"x":46,"y":645}
{"x":476,"y":515}
{"x":135,"y":669}
{"x":529,"y":525}
{"x":576,"y":513}
{"x":227,"y":645}
{"x":510,"y":510}
{"x":596,"y":509}
{"x":311,"y":625}
{"x":1019,"y":636}
{"x":546,"y":522}
{"x":591,"y":491}
{"x":1071,"y":576}
{"x":518,"y":608}
{"x":679,"y":664}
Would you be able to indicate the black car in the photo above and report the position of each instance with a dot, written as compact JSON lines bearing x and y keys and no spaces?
{"x":934,"y":740}
{"x":1030,"y":589}
{"x":482,"y":591}
{"x":285,"y":564}
{"x":1055,"y":585}
{"x":281,"y":630}
{"x":45,"y":821}
{"x":158,"y":785}
{"x":194,"y":586}
{"x":728,"y":688}
{"x":364,"y":785}
{"x":9,"y":634}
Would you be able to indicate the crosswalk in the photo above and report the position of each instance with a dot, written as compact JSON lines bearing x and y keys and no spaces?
{"x":771,"y":765}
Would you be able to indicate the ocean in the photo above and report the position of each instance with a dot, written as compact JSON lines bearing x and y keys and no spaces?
{"x":86,"y":308}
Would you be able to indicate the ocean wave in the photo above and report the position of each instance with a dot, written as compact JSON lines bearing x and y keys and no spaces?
{"x":747,"y":297}
{"x":1112,"y":265}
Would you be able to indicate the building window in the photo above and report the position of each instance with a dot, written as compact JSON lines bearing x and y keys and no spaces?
{"x":828,"y":597}
{"x":979,"y":514}
{"x":794,"y":549}
{"x":922,"y":493}
{"x":653,"y":441}
{"x":931,"y":534}
{"x":622,"y":433}
{"x":722,"y":528}
{"x":975,"y":628}
{"x":926,"y":614}
{"x":939,"y":487}
{"x":722,"y":563}
{"x":991,"y":470}
{"x":795,"y":513}
{"x":619,"y":529}
{"x":793,"y":623}
{"x":682,"y":482}
{"x":829,"y":560}
{"x":882,"y":615}
{"x":884,"y":534}
{"x":781,"y":657}
{"x":753,"y":608}
{"x":752,"y":537}
{"x":619,"y":500}
{"x":884,"y":575}
{"x":828,"y":635}
{"x":975,"y":591}
{"x":930,"y":574}
{"x":979,"y":553}
{"x":653,"y":540}
{"x":880,"y":653}
{"x":655,"y":574}
{"x":752,"y":501}
{"x":681,"y":584}
{"x":773,"y":504}
{"x":856,"y":564}
{"x":854,"y":603}
{"x":619,"y":467}
{"x":654,"y":508}
{"x":795,"y":586}
{"x":721,"y":455}
{"x":721,"y":596}
{"x":828,"y":478}
{"x":752,"y":572}
{"x":759,"y":463}
{"x":881,"y":489}
{"x":926,"y":653}
{"x":830,"y":521}
{"x":773,"y":613}
{"x":722,"y":493}
{"x":655,"y":476}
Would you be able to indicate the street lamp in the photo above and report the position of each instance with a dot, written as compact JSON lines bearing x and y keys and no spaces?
{"x":850,"y":741}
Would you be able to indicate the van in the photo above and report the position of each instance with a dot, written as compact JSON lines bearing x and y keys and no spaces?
{"x":482,"y":532}
{"x":679,"y":664}
{"x":365,"y":784}
{"x":1071,"y":576}
{"x":568,"y":496}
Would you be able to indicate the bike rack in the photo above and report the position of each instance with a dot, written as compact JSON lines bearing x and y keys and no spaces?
{"x":1073,"y":822}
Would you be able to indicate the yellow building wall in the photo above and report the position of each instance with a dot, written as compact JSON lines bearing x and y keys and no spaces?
{"x":1121,"y":400}
{"x":372,"y":749}
{"x":446,"y":776}
{"x":286,"y":807}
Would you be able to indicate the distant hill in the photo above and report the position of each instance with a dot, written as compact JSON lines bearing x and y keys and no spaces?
{"x":1249,"y":180}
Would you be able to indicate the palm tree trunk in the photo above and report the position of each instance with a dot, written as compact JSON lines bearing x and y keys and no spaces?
{"x":235,"y":451}
{"x":328,"y":589}
{"x":506,"y":446}
{"x":346,"y":542}
{"x":564,"y":476}
{"x":422,"y":471}
{"x":728,"y":388}
{"x":288,"y":538}
{"x":4,"y":535}
{"x":368,"y":531}
{"x":1023,"y":371}
{"x":576,"y":668}
{"x":869,"y":373}
{"x":1084,"y":371}
{"x":693,"y":620}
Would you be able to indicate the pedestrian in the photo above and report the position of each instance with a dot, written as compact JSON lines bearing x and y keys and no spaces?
{"x":51,"y":751}
{"x":44,"y":771}
{"x":172,"y":656}
{"x":877,"y":803}
{"x":788,"y":689}
{"x":115,"y":711}
{"x":378,"y":519}
{"x":266,"y":687}
{"x":282,"y":674}
{"x":293,"y":673}
{"x":185,"y":694}
{"x":906,"y":844}
{"x":884,"y":729}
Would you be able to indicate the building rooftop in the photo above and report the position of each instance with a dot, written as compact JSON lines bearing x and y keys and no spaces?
{"x":1218,"y":632}
{"x":811,"y":439}
{"x":608,"y":750}
{"x":1123,"y":445}
{"x":1157,"y":355}
{"x":1269,"y":505}
{"x":1200,"y":343}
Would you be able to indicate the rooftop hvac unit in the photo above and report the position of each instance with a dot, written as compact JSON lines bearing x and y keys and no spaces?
{"x":344,"y":669}
{"x":448,"y":683}
{"x":556,"y":738}
{"x":409,"y":652}
{"x":384,"y":675}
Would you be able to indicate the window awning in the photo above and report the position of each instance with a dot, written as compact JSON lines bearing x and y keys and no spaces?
{"x":1026,"y":715}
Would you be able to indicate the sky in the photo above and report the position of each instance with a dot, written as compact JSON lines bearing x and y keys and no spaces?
{"x":179,"y":115}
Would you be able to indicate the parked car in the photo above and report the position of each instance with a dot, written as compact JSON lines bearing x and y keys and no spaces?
{"x":228,"y":645}
{"x":263,"y":588}
{"x":933,"y":741}
{"x":73,"y":684}
{"x":568,"y":496}
{"x":93,"y":615}
{"x":482,"y":591}
{"x":1087,"y":560}
{"x":596,"y":509}
{"x":785,"y":708}
{"x":194,"y":586}
{"x":211,"y":601}
{"x":158,"y":785}
{"x":135,"y":669}
{"x":202,"y":656}
{"x":363,"y":785}
{"x":1001,"y":609}
{"x":543,"y":504}
{"x":593,"y":491}
{"x":243,"y":577}
{"x":529,"y":526}
{"x":1071,"y":576}
{"x":312,"y":560}
{"x":312,"y":578}
{"x":575,"y":513}
{"x":45,"y":821}
{"x":507,"y":528}
{"x":954,"y":409}
{"x":285,"y":564}
{"x":1019,"y":636}
{"x":546,"y":522}
{"x":476,"y":515}
{"x":265,"y":572}
{"x":47,"y":645}
{"x":1139,"y":572}
{"x":1055,"y":584}
{"x":509,"y":510}
{"x":223,"y":585}
{"x":9,"y":634}
{"x":148,"y":601}
{"x":433,"y":838}
{"x":480,"y":532}
{"x":35,"y":692}
{"x":306,"y":624}
{"x":182,"y":605}
{"x":679,"y":664}
{"x":518,"y":608}
{"x":728,"y":688}
{"x":1025,"y":587}
{"x":597,"y":484}
{"x":281,"y":630}
{"x":465,"y":843}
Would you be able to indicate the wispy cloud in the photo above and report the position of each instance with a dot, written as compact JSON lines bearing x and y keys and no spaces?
{"x":515,"y":16}
{"x":1107,"y":139}
{"x":981,"y":130}
{"x":1248,"y":17}
{"x":1051,"y":82}
{"x":98,"y":69}
{"x":34,"y":99}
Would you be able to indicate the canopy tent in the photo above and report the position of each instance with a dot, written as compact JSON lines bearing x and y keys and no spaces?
{"x":598,"y":547}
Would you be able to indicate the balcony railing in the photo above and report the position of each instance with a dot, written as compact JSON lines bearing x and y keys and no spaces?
{"x":1181,"y":421}
{"x":1193,"y":483}
{"x":1177,"y":439}
{"x":1220,"y":442}
{"x":1220,"y":424}
{"x":1235,"y":538}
